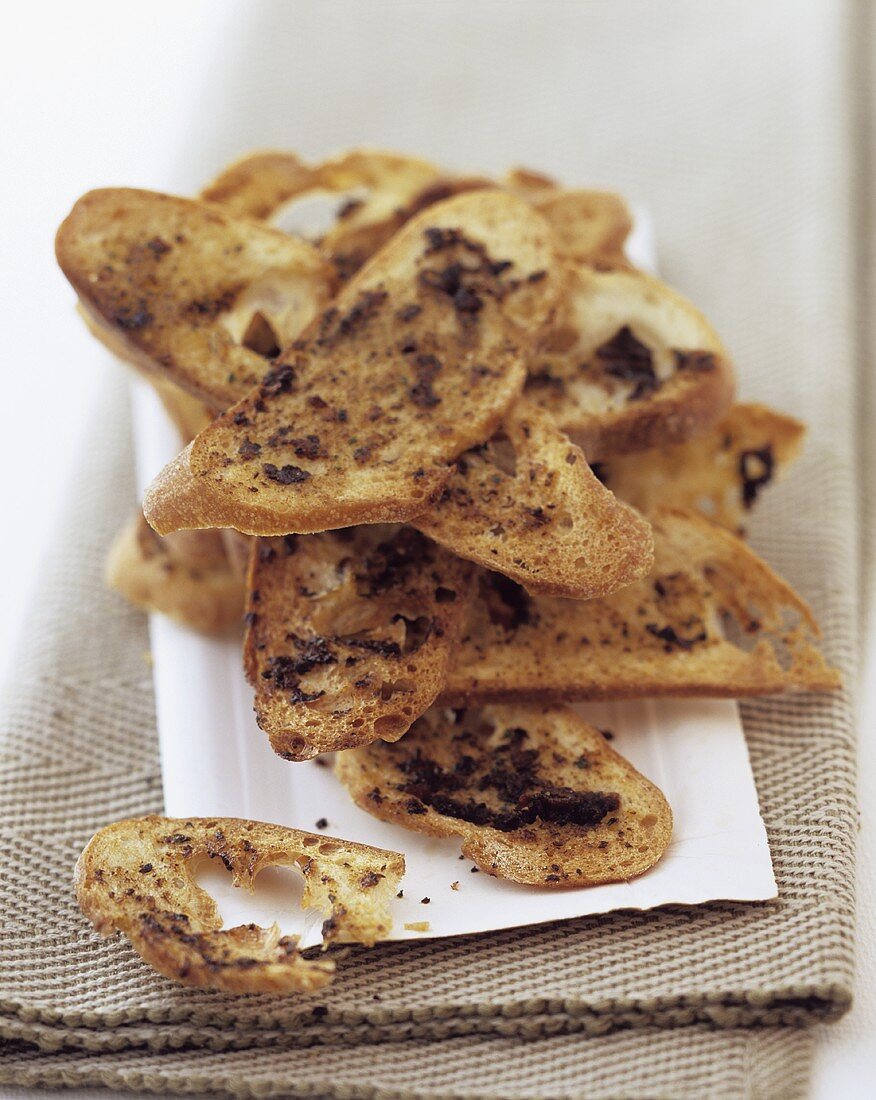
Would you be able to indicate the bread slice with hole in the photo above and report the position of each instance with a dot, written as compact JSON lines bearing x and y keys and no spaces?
{"x":721,"y":472}
{"x":186,"y":576}
{"x":377,"y":193}
{"x":259,"y":184}
{"x":418,"y":359}
{"x":527,"y":504}
{"x":187,"y":291}
{"x":628,"y":365}
{"x":349,"y":634}
{"x":536,"y":794}
{"x":712,"y":619}
{"x":135,"y":877}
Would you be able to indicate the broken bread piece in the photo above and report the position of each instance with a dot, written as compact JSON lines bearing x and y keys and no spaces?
{"x":712,"y":619}
{"x":186,"y":291}
{"x":417,"y":360}
{"x":186,"y":576}
{"x":527,"y":505}
{"x":591,"y":227}
{"x":720,"y":473}
{"x":349,"y":634}
{"x":628,"y":365}
{"x":536,"y":794}
{"x":135,"y":877}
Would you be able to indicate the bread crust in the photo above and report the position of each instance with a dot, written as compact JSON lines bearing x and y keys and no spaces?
{"x":527,"y":505}
{"x":712,"y":619}
{"x":349,"y":634}
{"x":629,"y":364}
{"x":419,"y":358}
{"x":135,"y":876}
{"x":536,"y":794}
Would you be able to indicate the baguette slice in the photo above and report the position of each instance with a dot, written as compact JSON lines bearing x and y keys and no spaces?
{"x":721,"y":473}
{"x":186,"y":575}
{"x":536,"y":794}
{"x":418,"y":359}
{"x":187,"y":291}
{"x":629,"y":365}
{"x":136,"y":877}
{"x":527,"y":505}
{"x":712,"y":619}
{"x":349,"y":634}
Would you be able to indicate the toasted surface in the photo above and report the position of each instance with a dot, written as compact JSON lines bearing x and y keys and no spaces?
{"x":590,"y":226}
{"x":712,"y":619}
{"x":527,"y":504}
{"x":721,"y":473}
{"x":629,"y":364}
{"x":257,"y":185}
{"x":378,"y":192}
{"x":188,"y":291}
{"x":536,"y":794}
{"x":135,"y":877}
{"x":186,"y":575}
{"x":418,"y":359}
{"x":349,"y":634}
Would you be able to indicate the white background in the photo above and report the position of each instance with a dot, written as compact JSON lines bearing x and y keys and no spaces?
{"x":96,"y":94}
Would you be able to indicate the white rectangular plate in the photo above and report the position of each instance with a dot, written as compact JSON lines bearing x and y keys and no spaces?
{"x":217,"y":762}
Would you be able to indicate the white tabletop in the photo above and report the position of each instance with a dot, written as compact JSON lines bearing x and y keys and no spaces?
{"x":114,"y":95}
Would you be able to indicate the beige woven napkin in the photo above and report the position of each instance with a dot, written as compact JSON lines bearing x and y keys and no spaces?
{"x":753,"y":221}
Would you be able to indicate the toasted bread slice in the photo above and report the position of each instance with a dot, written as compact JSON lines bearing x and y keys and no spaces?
{"x":591,"y":227}
{"x":185,"y":575}
{"x":712,"y":619}
{"x":349,"y":634}
{"x":629,"y":365}
{"x":720,"y":473}
{"x":189,"y":292}
{"x":536,"y":794}
{"x":380,"y":191}
{"x":527,"y":504}
{"x":136,"y":877}
{"x":418,"y":359}
{"x":257,"y":185}
{"x":238,"y":548}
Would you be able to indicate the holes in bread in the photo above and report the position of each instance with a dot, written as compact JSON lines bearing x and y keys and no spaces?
{"x":417,"y":631}
{"x":260,"y":336}
{"x":275,"y":899}
{"x":312,"y":214}
{"x":500,"y":452}
{"x":389,"y":688}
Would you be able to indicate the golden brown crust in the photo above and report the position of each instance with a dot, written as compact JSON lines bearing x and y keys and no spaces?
{"x":536,"y":794}
{"x":629,"y":364}
{"x":135,"y":877}
{"x":721,"y":473}
{"x":527,"y":505}
{"x":256,"y":185}
{"x":186,"y":576}
{"x":184,"y":289}
{"x":420,"y":356}
{"x":349,"y":634}
{"x":712,"y":619}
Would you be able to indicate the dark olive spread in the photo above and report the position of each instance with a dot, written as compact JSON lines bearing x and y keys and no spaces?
{"x":508,"y":774}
